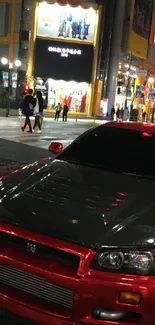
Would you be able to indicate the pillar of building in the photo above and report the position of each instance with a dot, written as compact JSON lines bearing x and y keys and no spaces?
{"x":115,"y":52}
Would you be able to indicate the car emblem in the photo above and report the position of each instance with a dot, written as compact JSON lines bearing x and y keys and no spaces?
{"x":31,"y":248}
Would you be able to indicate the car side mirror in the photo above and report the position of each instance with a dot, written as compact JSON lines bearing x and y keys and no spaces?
{"x":55,"y":147}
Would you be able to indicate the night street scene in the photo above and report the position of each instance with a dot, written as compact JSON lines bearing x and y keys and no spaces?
{"x":77,"y":162}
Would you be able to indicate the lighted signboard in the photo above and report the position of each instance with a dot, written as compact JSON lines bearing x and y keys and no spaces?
{"x":142,"y":17}
{"x":64,"y":52}
{"x":55,"y":60}
{"x":66,"y":22}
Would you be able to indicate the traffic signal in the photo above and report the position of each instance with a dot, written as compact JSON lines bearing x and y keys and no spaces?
{"x":26,"y":88}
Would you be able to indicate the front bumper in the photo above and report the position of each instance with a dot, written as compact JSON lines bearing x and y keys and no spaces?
{"x":93,"y":291}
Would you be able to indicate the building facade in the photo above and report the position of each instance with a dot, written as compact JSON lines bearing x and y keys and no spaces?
{"x":126,"y":55}
{"x":10,"y":17}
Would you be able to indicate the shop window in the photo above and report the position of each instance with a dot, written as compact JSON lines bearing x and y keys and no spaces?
{"x":66,"y":22}
{"x":18,"y":18}
{"x":74,"y":94}
{"x":5,"y":10}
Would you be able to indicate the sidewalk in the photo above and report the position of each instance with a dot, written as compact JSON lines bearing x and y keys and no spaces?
{"x":15,"y":113}
{"x":21,"y":153}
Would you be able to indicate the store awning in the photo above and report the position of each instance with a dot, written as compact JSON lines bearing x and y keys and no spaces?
{"x":73,"y":3}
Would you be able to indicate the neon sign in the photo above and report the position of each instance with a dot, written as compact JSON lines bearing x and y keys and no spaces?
{"x":64,"y":52}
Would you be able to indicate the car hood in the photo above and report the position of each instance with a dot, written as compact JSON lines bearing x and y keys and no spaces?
{"x":80,"y":204}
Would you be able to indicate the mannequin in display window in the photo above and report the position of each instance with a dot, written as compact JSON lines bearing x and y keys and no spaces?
{"x":83,"y":103}
{"x":62,"y":97}
{"x":52,"y":99}
{"x":86,"y":26}
{"x":68,"y":25}
{"x":62,"y":25}
{"x":75,"y":102}
{"x":79,"y":99}
{"x":69,"y":100}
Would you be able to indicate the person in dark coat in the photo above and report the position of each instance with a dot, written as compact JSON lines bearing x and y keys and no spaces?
{"x":65,"y":112}
{"x":118,"y":114}
{"x":27,"y":107}
{"x":112,"y":113}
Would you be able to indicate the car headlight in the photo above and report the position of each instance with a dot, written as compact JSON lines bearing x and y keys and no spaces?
{"x":131,"y":262}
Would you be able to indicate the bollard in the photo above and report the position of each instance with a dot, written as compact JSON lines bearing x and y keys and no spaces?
{"x":76,"y":116}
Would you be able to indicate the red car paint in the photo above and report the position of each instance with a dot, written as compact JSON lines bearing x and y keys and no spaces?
{"x":91,"y":288}
{"x":86,"y":284}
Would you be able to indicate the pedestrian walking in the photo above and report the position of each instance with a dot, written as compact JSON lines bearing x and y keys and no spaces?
{"x":143,"y":114}
{"x":27,"y":107}
{"x":118,"y":114}
{"x":112,"y":113}
{"x":38,"y":111}
{"x":65,"y":112}
{"x":58,"y":109}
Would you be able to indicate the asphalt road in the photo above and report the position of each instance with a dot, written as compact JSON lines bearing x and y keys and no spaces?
{"x":10,"y":129}
{"x":18,"y":148}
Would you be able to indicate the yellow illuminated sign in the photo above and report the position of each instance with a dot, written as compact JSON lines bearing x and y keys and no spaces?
{"x":137,"y":45}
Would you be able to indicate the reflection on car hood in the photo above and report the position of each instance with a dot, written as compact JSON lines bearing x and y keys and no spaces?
{"x":80,"y":204}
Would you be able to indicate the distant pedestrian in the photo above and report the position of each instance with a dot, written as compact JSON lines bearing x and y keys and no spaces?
{"x":143,"y":114}
{"x":121,"y":113}
{"x":58,"y":109}
{"x":27,"y":107}
{"x":118,"y":114}
{"x":126,"y":114}
{"x":38,"y":111}
{"x":65,"y":112}
{"x":112,"y":113}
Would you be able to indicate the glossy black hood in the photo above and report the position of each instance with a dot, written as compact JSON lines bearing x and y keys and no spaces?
{"x":83,"y":205}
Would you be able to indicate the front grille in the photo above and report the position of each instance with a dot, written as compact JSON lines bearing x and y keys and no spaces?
{"x":36,"y":286}
{"x":42,"y":251}
{"x":7,"y":318}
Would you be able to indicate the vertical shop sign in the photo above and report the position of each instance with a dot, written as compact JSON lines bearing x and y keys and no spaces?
{"x":152,"y":94}
{"x":5,"y":77}
{"x":14,"y":77}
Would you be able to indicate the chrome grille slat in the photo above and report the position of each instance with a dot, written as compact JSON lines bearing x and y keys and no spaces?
{"x":36,"y":286}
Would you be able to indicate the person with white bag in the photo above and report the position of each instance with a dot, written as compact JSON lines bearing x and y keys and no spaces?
{"x":38,"y":111}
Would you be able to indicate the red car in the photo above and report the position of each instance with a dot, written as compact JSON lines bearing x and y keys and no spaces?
{"x":77,"y":233}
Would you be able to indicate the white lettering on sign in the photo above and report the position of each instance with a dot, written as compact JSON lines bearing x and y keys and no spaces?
{"x":64,"y":52}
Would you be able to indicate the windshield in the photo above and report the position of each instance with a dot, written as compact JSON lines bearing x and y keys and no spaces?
{"x":124,"y":150}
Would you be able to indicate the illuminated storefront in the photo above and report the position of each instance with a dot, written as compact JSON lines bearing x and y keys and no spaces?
{"x":72,"y":93}
{"x":125,"y":85}
{"x":65,"y":49}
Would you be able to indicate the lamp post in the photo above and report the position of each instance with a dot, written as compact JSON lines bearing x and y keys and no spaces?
{"x":10,"y":65}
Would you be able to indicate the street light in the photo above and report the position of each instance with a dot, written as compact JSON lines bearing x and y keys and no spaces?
{"x":151,"y":80}
{"x":17,"y":63}
{"x":4,"y":61}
